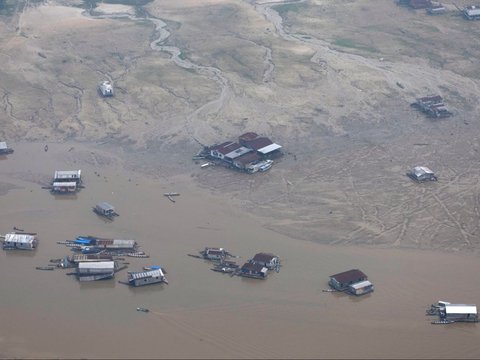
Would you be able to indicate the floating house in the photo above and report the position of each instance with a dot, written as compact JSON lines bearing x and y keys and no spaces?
{"x":64,"y":187}
{"x":214,"y":253}
{"x":68,"y":176}
{"x":4,"y":149}
{"x":65,"y":182}
{"x":253,"y":270}
{"x":342,"y":281}
{"x":105,"y":209}
{"x":91,"y":241}
{"x":228,"y":151}
{"x":421,"y":173}
{"x":458,"y":313}
{"x":20,"y":241}
{"x":106,"y":88}
{"x":471,"y":12}
{"x":92,"y":271}
{"x":270,"y":261}
{"x":146,"y":277}
{"x":361,"y":288}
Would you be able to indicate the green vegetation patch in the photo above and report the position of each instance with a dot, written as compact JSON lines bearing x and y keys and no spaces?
{"x":349,"y":43}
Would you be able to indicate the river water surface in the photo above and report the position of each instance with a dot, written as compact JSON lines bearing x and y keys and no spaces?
{"x":201,"y":313}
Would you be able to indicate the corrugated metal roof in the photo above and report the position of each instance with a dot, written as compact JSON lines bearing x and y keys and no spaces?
{"x":68,"y":174}
{"x":105,"y":206}
{"x":238,"y":152}
{"x":460,"y":309}
{"x":361,"y":284}
{"x":269,"y":148}
{"x":146,"y":274}
{"x":97,"y":265}
{"x":19,"y":238}
{"x":421,"y":170}
{"x":264,"y":257}
{"x":350,"y":275}
{"x":64,"y":184}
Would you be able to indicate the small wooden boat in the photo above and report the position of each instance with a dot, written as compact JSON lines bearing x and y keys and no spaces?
{"x":224,"y":270}
{"x":171,"y":194}
{"x":139,"y":254}
{"x":45,"y":268}
{"x":443,"y":322}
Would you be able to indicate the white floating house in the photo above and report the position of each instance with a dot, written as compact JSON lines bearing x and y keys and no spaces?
{"x":361,"y":288}
{"x":20,"y":241}
{"x":459,"y":313}
{"x":105,"y":209}
{"x":92,"y":271}
{"x":68,"y":176}
{"x":146,"y":277}
{"x":64,"y":187}
{"x":212,"y":253}
{"x":106,"y":88}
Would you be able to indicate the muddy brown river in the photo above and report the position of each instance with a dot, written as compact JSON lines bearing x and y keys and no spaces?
{"x":203,"y":314}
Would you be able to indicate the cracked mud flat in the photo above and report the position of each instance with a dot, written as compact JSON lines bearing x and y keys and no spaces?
{"x":318,"y":78}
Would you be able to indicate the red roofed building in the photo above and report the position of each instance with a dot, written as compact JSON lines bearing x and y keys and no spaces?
{"x":263,"y":145}
{"x":342,"y":281}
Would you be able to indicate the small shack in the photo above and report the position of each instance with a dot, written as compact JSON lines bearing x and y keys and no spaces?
{"x":92,"y":271}
{"x":64,"y":187}
{"x":343,"y":280}
{"x":4,"y":149}
{"x":270,"y":261}
{"x":20,"y":241}
{"x":68,"y":176}
{"x":422,"y":173}
{"x":146,"y":277}
{"x":458,"y":313}
{"x":471,"y":12}
{"x":212,"y":253}
{"x":105,"y":209}
{"x":361,"y":288}
{"x":106,"y":88}
{"x":253,"y":270}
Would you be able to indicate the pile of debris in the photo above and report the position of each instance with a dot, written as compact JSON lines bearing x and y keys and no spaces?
{"x":433,"y":106}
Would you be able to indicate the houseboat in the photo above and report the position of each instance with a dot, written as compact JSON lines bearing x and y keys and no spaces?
{"x":216,"y":254}
{"x":343,"y":280}
{"x":64,"y":187}
{"x":361,"y":288}
{"x":253,"y":270}
{"x":458,"y":313}
{"x":146,"y":277}
{"x":4,"y":149}
{"x":68,"y":176}
{"x":270,"y":261}
{"x":92,"y":271}
{"x":66,"y":182}
{"x":106,"y":210}
{"x":20,"y":241}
